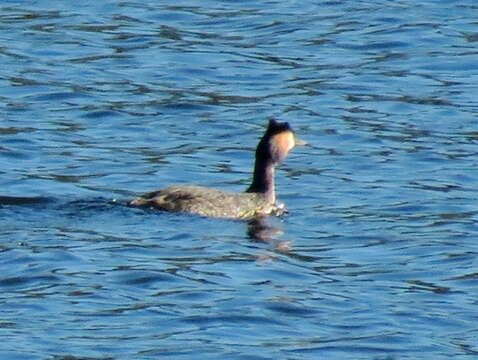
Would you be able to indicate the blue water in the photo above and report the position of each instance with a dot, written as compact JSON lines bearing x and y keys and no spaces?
{"x":103,"y":100}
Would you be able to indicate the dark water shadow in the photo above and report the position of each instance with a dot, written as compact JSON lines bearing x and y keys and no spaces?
{"x":261,"y":229}
{"x":22,"y":200}
{"x":61,"y":208}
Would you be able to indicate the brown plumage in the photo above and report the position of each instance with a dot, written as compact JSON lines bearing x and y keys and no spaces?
{"x":258,"y":200}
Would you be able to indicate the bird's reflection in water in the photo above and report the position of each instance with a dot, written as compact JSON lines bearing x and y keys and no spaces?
{"x":260,"y":229}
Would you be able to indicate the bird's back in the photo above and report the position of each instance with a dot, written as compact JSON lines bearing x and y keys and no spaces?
{"x":207,"y":202}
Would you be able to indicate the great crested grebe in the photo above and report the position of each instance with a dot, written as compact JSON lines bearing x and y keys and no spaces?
{"x":258,"y":200}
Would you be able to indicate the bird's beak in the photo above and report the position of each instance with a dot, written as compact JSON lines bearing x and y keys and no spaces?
{"x":299,"y":142}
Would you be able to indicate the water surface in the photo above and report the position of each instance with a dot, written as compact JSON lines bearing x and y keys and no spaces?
{"x":103,"y":100}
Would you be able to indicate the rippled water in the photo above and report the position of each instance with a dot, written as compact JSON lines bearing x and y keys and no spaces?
{"x":103,"y":100}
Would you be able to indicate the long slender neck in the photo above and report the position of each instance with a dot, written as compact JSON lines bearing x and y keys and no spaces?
{"x":263,"y":179}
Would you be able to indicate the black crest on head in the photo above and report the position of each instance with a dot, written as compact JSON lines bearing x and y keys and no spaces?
{"x":276,"y":127}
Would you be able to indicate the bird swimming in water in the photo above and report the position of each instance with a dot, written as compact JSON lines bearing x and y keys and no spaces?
{"x":258,"y":200}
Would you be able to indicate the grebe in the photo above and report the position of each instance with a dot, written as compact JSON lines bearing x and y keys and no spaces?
{"x":258,"y":200}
